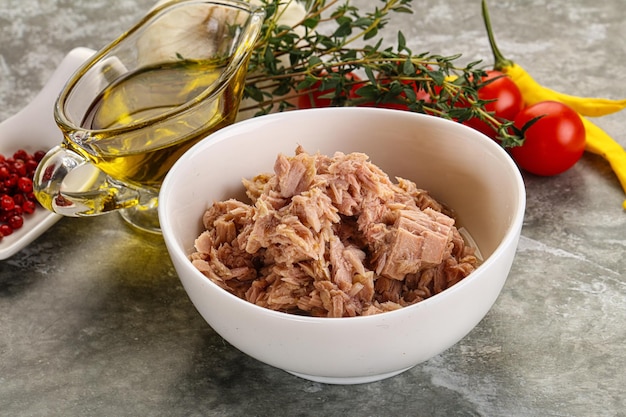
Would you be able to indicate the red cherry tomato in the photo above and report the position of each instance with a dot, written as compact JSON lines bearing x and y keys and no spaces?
{"x":314,"y":97}
{"x":420,"y":94}
{"x":554,"y":143}
{"x":507,"y":101}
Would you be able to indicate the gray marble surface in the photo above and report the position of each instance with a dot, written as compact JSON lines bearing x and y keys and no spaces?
{"x":94,"y":322}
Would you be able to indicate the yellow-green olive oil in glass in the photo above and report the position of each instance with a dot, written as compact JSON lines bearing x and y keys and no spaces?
{"x":138,"y":104}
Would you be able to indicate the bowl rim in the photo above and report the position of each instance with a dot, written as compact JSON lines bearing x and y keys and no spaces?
{"x":511,"y":234}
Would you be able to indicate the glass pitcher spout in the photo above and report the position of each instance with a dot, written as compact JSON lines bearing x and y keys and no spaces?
{"x":75,"y":188}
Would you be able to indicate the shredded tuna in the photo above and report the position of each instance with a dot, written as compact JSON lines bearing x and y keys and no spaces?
{"x":332,"y":237}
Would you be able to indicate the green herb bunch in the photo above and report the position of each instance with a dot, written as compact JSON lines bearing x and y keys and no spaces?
{"x":336,"y":41}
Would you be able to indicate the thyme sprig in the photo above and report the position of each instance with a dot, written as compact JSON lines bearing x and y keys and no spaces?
{"x":335,"y":41}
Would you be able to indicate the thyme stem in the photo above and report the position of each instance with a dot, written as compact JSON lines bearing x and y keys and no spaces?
{"x":316,"y":53}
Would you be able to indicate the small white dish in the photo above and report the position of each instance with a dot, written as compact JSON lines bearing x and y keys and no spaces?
{"x":33,"y":128}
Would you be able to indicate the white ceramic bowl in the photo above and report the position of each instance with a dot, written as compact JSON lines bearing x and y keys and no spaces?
{"x":458,"y":165}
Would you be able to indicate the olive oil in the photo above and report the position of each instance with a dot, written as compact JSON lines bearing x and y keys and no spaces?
{"x":144,"y":122}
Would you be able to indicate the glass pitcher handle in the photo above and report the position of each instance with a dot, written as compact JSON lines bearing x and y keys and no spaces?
{"x":67,"y":184}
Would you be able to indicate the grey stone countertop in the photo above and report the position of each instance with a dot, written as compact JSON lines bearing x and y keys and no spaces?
{"x":94,"y":321}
